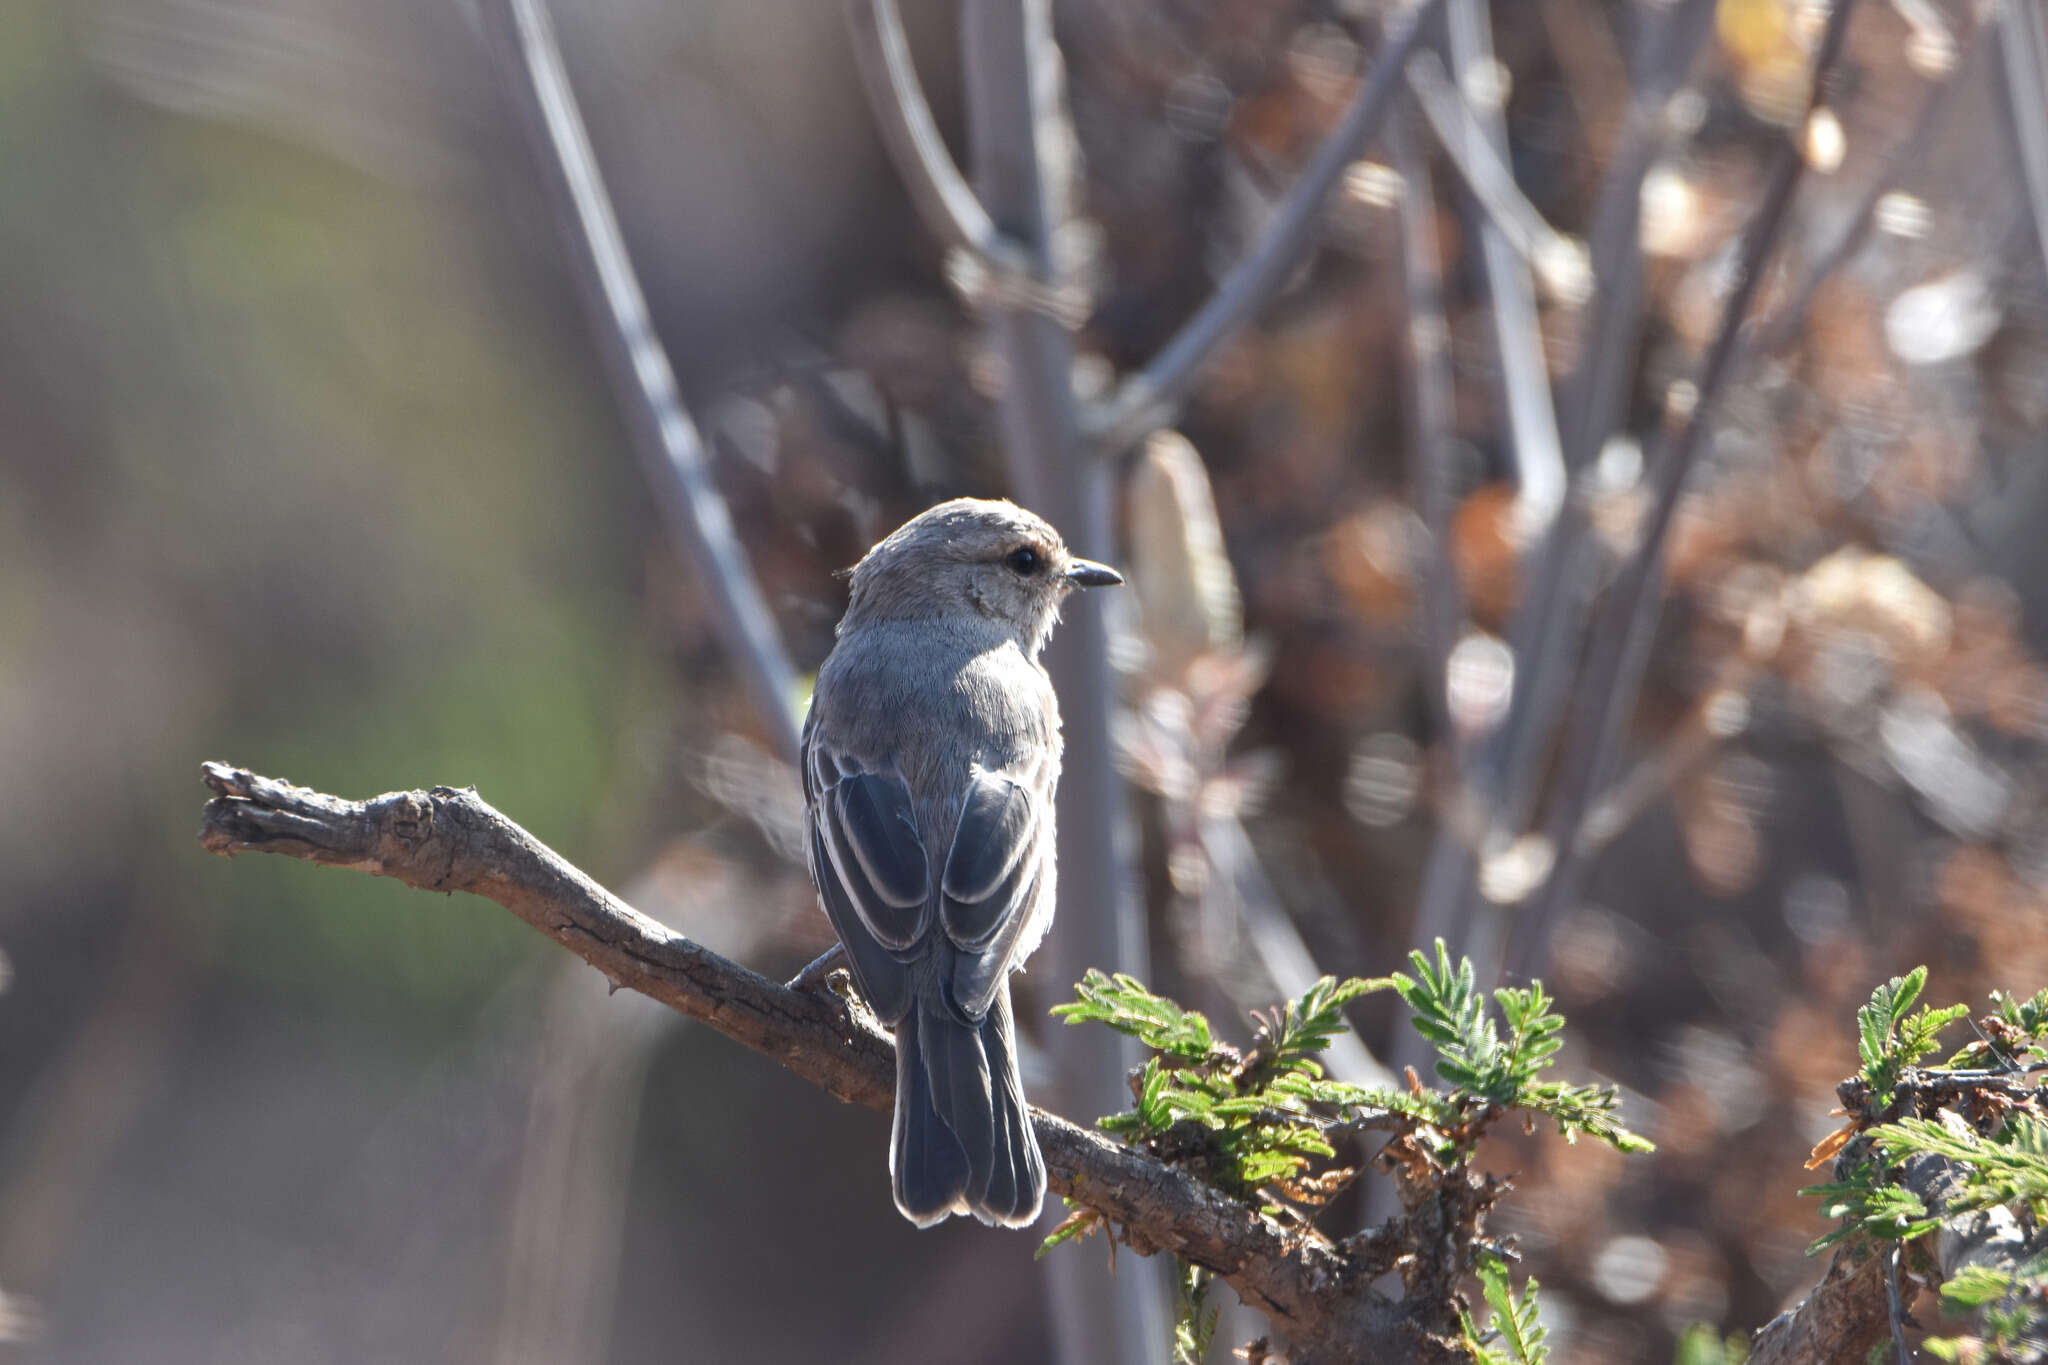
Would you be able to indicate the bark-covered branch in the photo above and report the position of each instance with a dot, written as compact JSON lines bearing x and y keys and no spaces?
{"x":1854,"y":1307}
{"x":449,"y":839}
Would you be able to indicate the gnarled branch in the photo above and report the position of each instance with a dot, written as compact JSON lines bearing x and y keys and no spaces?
{"x":450,"y":839}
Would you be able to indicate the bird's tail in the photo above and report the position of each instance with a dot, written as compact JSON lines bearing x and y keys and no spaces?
{"x":962,"y":1141}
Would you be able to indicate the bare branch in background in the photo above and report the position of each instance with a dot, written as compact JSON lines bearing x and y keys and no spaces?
{"x":1148,"y":399}
{"x":671,"y":453}
{"x":452,"y":840}
{"x":944,"y":199}
{"x":1790,"y":316}
{"x":1534,"y":446}
{"x":1555,"y":258}
{"x":1022,"y":159}
{"x":1431,"y":396}
{"x":1627,"y":619}
{"x":2023,"y":43}
{"x":1547,"y":627}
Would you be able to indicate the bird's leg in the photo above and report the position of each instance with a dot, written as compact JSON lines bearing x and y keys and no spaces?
{"x":818,"y":969}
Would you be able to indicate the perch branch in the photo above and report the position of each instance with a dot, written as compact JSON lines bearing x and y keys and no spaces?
{"x":450,"y":839}
{"x":665,"y":439}
{"x":1147,"y":399}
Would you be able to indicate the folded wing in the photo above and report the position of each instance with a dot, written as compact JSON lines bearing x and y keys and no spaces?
{"x":871,"y":869}
{"x":989,"y":885}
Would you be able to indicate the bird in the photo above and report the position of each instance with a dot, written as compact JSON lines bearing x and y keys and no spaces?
{"x":931,"y":753}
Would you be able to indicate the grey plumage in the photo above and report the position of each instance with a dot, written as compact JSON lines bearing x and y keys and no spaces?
{"x":931,"y":755}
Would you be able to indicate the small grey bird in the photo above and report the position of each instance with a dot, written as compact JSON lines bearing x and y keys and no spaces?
{"x":930,"y":757}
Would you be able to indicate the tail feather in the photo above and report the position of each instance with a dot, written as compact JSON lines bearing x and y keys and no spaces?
{"x":962,"y":1141}
{"x":1016,"y":1183}
{"x":927,"y":1165}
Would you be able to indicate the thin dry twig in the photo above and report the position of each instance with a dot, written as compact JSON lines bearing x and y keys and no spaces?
{"x":2023,"y":43}
{"x":1019,"y":143}
{"x":943,"y":197}
{"x":1147,"y":400}
{"x":1484,"y":172}
{"x":1534,"y":443}
{"x":666,"y":440}
{"x":1626,"y":622}
{"x":448,"y":839}
{"x":1431,"y":398}
{"x":1545,"y":632}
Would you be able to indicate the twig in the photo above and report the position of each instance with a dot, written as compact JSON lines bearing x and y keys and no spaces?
{"x":944,"y":199}
{"x":1626,"y":623}
{"x":1147,"y":400}
{"x":670,"y":451}
{"x":1533,"y":443}
{"x":2022,"y":38}
{"x":1903,"y":1352}
{"x":1547,"y":627}
{"x":1431,"y":395}
{"x":449,"y":839}
{"x":1485,"y":173}
{"x":1788,"y":321}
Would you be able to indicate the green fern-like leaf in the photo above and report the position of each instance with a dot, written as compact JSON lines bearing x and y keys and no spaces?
{"x":1305,"y":1027}
{"x":1583,"y":1110}
{"x":1535,"y":1032}
{"x":1194,"y":1328}
{"x":1876,"y":1023}
{"x":1868,"y":1207}
{"x":1446,"y":1007}
{"x":2011,"y":1168}
{"x":1515,"y":1335}
{"x":1919,"y":1032}
{"x":1123,"y":1003}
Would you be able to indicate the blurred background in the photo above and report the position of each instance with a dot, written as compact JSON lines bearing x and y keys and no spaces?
{"x":306,"y":464}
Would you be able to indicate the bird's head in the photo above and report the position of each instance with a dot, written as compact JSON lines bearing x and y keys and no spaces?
{"x":970,"y":561}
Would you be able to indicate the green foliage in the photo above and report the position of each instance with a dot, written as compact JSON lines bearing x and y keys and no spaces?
{"x":2010,"y":1167}
{"x":1079,"y":1222}
{"x":1473,"y":1055}
{"x":2011,"y":1309}
{"x":1258,"y":1123}
{"x":1194,"y":1328}
{"x":1448,"y":1010}
{"x":2030,"y":1017}
{"x":1123,"y":1003}
{"x":1515,"y":1335}
{"x":1971,"y":1116}
{"x":1298,"y":1031}
{"x":1890,"y":1040}
{"x":1261,"y":1119}
{"x":1869,"y":1207}
{"x":1700,"y":1344}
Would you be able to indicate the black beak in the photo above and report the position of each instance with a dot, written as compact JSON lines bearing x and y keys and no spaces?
{"x":1086,"y":573}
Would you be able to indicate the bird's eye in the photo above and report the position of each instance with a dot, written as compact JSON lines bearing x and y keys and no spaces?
{"x":1024,"y":561}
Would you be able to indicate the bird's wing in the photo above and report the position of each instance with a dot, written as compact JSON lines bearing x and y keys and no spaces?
{"x":990,"y":883}
{"x":870,"y":866}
